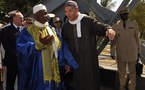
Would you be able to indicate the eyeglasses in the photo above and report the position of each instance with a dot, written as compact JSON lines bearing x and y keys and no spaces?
{"x":57,"y":22}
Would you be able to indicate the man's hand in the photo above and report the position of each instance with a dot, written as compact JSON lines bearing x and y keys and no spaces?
{"x":46,"y":39}
{"x":110,"y":33}
{"x":67,"y":68}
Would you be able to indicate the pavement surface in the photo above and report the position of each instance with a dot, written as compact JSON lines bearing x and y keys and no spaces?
{"x":109,"y":79}
{"x":106,"y":62}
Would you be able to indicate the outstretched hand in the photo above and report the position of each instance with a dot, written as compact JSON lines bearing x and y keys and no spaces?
{"x":110,"y":33}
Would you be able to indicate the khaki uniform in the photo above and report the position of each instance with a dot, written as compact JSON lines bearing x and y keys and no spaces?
{"x":127,"y":50}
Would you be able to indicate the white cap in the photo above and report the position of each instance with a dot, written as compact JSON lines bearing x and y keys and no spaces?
{"x":50,"y":15}
{"x":39,"y":7}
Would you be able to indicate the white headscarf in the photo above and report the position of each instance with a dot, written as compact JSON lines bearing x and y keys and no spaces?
{"x":78,"y":23}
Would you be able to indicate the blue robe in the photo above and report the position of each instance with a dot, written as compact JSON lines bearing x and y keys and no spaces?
{"x":30,"y":76}
{"x":65,"y":58}
{"x":30,"y":73}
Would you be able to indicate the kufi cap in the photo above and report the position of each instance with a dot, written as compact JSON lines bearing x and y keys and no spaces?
{"x":124,"y":10}
{"x":39,"y":7}
{"x":71,"y":3}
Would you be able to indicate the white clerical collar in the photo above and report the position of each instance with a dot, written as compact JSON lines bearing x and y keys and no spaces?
{"x":38,"y":24}
{"x":78,"y":22}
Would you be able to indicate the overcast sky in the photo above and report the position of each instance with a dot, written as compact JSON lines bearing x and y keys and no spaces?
{"x":118,"y":2}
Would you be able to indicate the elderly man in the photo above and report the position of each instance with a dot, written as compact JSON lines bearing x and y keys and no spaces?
{"x":37,"y":47}
{"x":80,"y":34}
{"x":8,"y":37}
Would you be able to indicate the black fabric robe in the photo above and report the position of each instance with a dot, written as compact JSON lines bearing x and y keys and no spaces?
{"x":86,"y":77}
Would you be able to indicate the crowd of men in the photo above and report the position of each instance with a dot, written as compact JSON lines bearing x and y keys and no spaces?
{"x":52,"y":55}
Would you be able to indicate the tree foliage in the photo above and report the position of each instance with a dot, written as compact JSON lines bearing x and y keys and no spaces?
{"x":23,"y":5}
{"x":1,"y":4}
{"x":138,"y":15}
{"x":107,"y":4}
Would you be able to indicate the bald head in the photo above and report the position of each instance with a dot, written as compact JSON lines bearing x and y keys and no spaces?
{"x":55,"y":19}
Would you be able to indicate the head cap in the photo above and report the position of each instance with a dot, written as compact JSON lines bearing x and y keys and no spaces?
{"x":124,"y":10}
{"x":39,"y":7}
{"x":71,"y":4}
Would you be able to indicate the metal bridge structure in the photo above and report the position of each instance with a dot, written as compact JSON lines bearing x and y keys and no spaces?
{"x":85,"y":6}
{"x":103,"y":15}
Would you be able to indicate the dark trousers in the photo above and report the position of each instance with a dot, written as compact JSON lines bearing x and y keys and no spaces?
{"x":12,"y":72}
{"x":68,"y":80}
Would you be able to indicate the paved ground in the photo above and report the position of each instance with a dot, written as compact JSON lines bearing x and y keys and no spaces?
{"x":106,"y":62}
{"x":109,"y":72}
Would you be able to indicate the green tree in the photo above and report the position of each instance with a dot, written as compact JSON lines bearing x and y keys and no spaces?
{"x":1,"y":5}
{"x":23,"y":5}
{"x":138,"y":15}
{"x":107,"y":4}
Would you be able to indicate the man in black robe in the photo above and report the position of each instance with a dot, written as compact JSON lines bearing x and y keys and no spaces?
{"x":80,"y":34}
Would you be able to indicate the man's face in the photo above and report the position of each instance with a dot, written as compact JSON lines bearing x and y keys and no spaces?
{"x":71,"y":13}
{"x":18,"y":19}
{"x":124,"y":16}
{"x":57,"y":22}
{"x":41,"y":16}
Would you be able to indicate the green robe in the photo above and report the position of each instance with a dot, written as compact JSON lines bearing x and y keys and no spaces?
{"x":49,"y":62}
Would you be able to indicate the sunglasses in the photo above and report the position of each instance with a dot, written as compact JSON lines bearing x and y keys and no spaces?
{"x":57,"y":22}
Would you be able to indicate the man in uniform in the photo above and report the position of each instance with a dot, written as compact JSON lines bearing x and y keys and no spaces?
{"x":127,"y":48}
